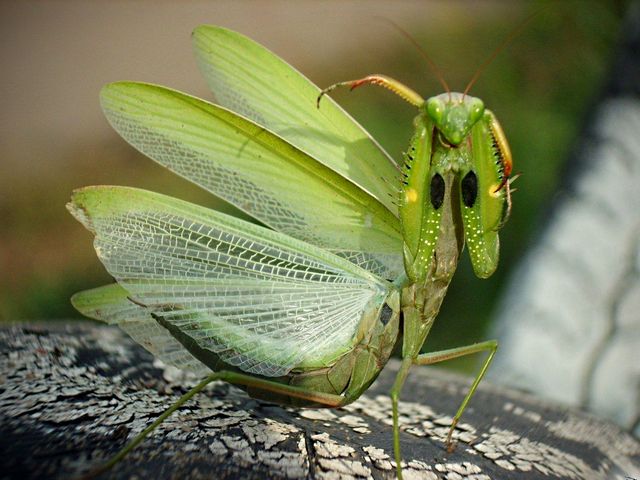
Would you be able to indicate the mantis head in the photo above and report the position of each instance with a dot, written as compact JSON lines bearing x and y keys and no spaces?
{"x":454,"y":115}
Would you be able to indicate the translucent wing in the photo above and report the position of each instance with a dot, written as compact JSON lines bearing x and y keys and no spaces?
{"x":258,"y":299}
{"x":257,"y":171}
{"x":110,"y":304}
{"x":249,"y":79}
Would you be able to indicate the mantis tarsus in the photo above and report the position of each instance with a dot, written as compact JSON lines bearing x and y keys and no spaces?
{"x":300,"y":313}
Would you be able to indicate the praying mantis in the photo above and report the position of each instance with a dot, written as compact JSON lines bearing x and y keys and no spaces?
{"x":354,"y":251}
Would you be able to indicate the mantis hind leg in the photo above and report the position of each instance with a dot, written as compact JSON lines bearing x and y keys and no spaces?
{"x":234,"y":378}
{"x":401,"y":376}
{"x":434,"y":357}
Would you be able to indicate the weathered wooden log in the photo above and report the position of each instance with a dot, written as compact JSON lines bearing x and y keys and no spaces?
{"x":72,"y":395}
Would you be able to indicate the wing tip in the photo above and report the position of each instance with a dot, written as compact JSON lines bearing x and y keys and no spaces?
{"x":206,"y":28}
{"x":111,"y":87}
{"x":85,"y":303}
{"x":95,"y":302}
{"x":90,"y":202}
{"x":114,"y":91}
{"x":205,"y":38}
{"x":77,"y":206}
{"x":202,"y":29}
{"x":79,"y":301}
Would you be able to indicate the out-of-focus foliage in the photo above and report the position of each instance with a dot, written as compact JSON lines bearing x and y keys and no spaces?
{"x":541,"y":87}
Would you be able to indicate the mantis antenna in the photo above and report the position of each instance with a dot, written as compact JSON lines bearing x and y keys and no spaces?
{"x":432,"y":66}
{"x":513,"y":34}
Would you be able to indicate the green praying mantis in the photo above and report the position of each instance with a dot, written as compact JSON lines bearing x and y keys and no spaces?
{"x":354,"y":252}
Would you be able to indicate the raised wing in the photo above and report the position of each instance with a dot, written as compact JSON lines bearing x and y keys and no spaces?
{"x":257,"y":171}
{"x":110,"y":304}
{"x":258,"y":299}
{"x":249,"y":79}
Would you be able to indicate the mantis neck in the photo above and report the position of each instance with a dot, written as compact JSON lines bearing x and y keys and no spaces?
{"x":421,"y":301}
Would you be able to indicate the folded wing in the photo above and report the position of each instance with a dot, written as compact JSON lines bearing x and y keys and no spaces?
{"x":257,"y":171}
{"x":249,"y":79}
{"x":110,"y":304}
{"x":258,"y":299}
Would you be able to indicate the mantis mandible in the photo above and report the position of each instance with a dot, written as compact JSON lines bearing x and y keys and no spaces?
{"x":356,"y":251}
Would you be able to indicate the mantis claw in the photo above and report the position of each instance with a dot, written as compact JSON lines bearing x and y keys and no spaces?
{"x":350,"y":83}
{"x":451,"y":444}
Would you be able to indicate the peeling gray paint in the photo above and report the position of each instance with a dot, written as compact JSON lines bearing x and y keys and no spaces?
{"x":71,"y":397}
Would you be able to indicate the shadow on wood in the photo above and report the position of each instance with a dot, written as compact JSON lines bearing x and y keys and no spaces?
{"x":71,"y":396}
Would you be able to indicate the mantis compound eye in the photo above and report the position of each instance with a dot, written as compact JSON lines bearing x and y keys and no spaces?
{"x":435,"y":109}
{"x":476,"y":110}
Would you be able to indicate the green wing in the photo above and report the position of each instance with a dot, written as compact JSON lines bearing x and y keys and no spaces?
{"x":257,"y":171}
{"x":111,"y":304}
{"x":260,"y":300}
{"x":250,"y":80}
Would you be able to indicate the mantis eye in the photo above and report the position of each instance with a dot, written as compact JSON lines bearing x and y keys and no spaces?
{"x":435,"y":109}
{"x":476,"y":110}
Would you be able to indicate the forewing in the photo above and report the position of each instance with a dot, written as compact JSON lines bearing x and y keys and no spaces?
{"x":249,"y":79}
{"x":258,"y":299}
{"x":110,"y":304}
{"x":257,"y":171}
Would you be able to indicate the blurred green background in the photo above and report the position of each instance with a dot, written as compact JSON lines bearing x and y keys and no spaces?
{"x":55,"y":56}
